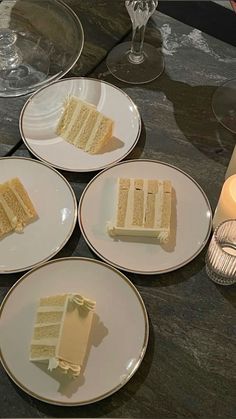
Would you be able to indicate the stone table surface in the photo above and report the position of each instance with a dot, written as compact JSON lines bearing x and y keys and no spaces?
{"x":189,"y":366}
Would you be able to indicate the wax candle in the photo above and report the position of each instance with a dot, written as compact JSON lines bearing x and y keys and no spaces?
{"x":232,"y":165}
{"x":226,"y":207}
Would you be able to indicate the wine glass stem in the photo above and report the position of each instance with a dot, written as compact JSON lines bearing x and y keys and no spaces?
{"x":10,"y":55}
{"x":136,"y":55}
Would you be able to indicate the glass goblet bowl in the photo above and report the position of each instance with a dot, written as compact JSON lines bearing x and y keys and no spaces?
{"x":40,"y":41}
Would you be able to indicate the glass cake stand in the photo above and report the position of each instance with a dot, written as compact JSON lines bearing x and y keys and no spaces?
{"x":40,"y":41}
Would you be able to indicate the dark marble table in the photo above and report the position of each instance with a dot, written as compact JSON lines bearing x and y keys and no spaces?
{"x":189,"y":366}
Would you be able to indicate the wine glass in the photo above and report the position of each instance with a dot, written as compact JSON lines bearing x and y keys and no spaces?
{"x":137,"y":62}
{"x":224,"y":100}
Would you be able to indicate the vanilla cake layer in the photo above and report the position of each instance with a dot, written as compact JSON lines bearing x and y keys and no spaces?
{"x":83,"y":126}
{"x":16,"y":208}
{"x":61,"y":332}
{"x":143,"y":208}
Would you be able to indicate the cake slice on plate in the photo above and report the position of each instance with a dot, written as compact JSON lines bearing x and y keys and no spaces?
{"x":143,"y":208}
{"x":61,"y":332}
{"x":82,"y":125}
{"x":16,"y":208}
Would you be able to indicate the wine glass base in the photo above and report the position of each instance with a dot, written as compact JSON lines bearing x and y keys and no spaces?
{"x":224,"y":105}
{"x":123,"y":69}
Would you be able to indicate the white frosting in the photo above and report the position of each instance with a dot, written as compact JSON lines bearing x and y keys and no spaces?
{"x":45,"y":341}
{"x":66,"y":367}
{"x":163,"y":236}
{"x":83,"y":125}
{"x":68,"y":128}
{"x":69,"y":125}
{"x":53,"y":363}
{"x":81,"y":301}
{"x":20,"y":200}
{"x":16,"y":224}
{"x":161,"y":233}
{"x":159,"y":206}
{"x":46,"y":309}
{"x":94,"y":131}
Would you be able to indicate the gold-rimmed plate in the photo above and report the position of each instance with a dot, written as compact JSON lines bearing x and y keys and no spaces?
{"x":119,"y":334}
{"x":191,"y":219}
{"x":42,"y":111}
{"x":56,"y":206}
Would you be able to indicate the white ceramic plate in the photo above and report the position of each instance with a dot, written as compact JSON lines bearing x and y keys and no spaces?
{"x":190,"y":221}
{"x":40,"y":115}
{"x":56,"y":205}
{"x":119,"y":333}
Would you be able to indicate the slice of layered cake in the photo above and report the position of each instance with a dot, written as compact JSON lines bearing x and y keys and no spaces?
{"x":83,"y":126}
{"x":143,"y":208}
{"x":61,"y":332}
{"x":16,"y":208}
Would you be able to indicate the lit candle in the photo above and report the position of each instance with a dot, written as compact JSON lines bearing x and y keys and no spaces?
{"x":226,"y":207}
{"x":232,"y":165}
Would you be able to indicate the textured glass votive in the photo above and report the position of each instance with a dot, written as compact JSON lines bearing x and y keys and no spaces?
{"x":221,"y":254}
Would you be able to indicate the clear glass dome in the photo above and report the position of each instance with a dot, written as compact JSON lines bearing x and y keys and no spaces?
{"x":40,"y":41}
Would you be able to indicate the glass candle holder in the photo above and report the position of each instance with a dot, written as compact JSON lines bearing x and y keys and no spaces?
{"x":221,"y":254}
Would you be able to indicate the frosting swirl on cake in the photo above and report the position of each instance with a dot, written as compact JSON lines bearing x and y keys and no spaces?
{"x":66,"y":367}
{"x":83,"y":302}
